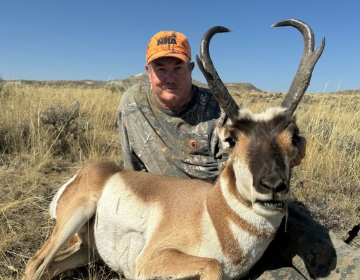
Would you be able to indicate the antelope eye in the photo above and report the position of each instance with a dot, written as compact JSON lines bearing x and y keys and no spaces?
{"x":295,"y":139}
{"x":231,"y":141}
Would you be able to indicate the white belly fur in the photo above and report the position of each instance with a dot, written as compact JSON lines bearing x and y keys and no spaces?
{"x":122,"y":226}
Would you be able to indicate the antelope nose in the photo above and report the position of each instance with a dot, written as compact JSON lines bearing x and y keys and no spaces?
{"x":275,"y":187}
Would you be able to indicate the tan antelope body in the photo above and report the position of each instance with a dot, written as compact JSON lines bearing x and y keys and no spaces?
{"x":148,"y":226}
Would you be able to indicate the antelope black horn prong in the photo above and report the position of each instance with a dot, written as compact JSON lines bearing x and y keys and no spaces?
{"x":309,"y":58}
{"x":206,"y":66}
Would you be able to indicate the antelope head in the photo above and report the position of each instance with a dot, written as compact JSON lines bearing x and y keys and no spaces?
{"x":262,"y":145}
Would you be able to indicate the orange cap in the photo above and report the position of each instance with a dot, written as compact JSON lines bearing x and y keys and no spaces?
{"x":168,"y":43}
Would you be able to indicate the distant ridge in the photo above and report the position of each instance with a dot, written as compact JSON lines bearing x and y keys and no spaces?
{"x":124,"y":84}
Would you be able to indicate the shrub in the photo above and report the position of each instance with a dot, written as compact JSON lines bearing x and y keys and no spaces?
{"x":66,"y":124}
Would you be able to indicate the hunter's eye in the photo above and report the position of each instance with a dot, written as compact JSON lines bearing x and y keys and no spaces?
{"x":231,"y":141}
{"x":295,"y":139}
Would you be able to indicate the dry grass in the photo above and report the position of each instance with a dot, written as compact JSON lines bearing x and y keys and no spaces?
{"x":47,"y":132}
{"x":42,"y":144}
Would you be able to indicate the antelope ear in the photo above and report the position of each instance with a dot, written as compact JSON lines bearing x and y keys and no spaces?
{"x":225,"y":140}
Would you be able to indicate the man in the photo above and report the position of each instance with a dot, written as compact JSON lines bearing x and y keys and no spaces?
{"x":170,"y":127}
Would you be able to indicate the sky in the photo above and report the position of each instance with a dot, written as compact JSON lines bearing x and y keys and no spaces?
{"x":106,"y":40}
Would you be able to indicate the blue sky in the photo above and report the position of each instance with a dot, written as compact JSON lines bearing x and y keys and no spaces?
{"x":101,"y":40}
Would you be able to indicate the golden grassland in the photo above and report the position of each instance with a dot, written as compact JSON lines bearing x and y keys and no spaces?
{"x":47,"y":132}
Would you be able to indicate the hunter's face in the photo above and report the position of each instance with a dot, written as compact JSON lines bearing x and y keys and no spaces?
{"x":171,"y":81}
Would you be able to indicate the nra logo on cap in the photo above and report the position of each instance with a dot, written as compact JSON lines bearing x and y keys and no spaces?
{"x":167,"y":41}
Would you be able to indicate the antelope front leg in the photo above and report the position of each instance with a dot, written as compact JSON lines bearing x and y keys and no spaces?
{"x":174,"y":264}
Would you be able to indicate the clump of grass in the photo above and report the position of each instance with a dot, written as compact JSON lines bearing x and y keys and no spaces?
{"x":67,"y":125}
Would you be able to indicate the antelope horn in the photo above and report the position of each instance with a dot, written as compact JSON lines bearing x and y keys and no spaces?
{"x":309,"y":58}
{"x":215,"y":84}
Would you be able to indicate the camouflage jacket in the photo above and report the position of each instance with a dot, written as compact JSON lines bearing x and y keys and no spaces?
{"x":182,"y":144}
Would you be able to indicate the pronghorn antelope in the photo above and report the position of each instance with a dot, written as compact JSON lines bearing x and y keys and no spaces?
{"x":147,"y":226}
